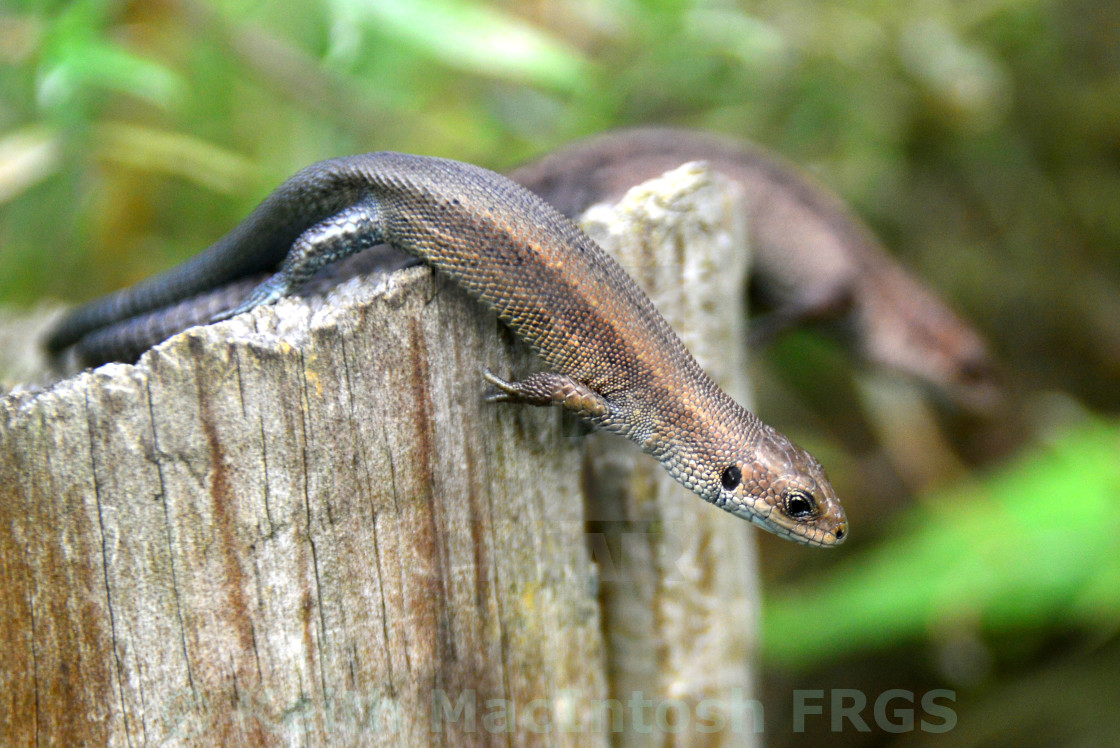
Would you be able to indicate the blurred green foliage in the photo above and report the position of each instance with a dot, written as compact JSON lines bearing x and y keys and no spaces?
{"x":944,"y":122}
{"x":981,"y":138}
{"x":1033,"y":544}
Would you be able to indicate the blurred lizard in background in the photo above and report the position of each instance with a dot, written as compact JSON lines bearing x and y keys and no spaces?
{"x":814,"y":260}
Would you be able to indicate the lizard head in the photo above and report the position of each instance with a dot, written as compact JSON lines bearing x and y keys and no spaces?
{"x":776,"y":485}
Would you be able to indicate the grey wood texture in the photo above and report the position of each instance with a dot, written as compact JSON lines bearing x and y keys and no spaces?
{"x":304,"y":526}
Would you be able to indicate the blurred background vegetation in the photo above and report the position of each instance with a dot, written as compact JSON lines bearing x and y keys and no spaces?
{"x":980,"y":138}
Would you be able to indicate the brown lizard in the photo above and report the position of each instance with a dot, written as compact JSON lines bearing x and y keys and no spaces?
{"x":610,"y":357}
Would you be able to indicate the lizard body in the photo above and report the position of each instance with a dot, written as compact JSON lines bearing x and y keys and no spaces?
{"x":609,"y":355}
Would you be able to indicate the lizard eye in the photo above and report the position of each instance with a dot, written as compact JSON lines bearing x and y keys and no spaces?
{"x":799,"y":504}
{"x":731,"y":477}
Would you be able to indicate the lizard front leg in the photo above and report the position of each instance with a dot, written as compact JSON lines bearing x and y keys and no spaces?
{"x":345,"y":233}
{"x":550,"y":388}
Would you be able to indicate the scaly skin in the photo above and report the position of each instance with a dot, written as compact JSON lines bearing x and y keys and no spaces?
{"x":609,"y":355}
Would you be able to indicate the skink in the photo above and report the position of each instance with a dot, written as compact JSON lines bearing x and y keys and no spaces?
{"x":609,"y":355}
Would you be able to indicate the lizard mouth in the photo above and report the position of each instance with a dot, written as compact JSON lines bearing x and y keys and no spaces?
{"x":820,"y":534}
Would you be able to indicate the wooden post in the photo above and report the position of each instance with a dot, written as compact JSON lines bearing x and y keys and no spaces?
{"x":680,"y":604}
{"x":304,"y":526}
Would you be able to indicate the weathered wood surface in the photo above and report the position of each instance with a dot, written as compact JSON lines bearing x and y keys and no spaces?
{"x":680,"y":601}
{"x":304,"y":526}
